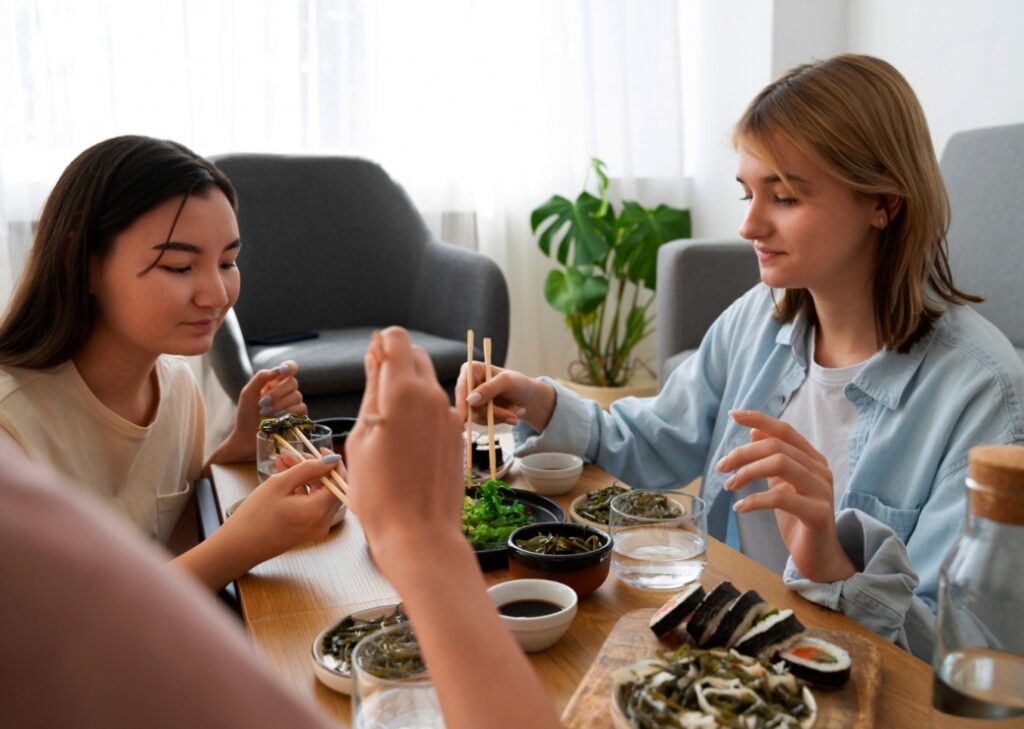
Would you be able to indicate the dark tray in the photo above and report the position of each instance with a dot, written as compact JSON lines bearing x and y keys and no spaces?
{"x":543,"y":510}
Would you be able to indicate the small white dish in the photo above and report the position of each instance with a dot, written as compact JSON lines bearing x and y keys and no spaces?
{"x":539,"y":633}
{"x":324,"y":667}
{"x":339,"y":515}
{"x":551,"y":474}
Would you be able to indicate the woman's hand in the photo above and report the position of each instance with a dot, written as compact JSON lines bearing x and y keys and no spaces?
{"x":290,"y":508}
{"x":799,"y":489}
{"x":279,"y":514}
{"x":405,"y":454}
{"x":515,"y":397}
{"x":269,"y":393}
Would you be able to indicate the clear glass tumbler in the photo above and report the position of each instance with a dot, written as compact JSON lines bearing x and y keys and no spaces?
{"x":393,"y":689}
{"x":268,"y":448}
{"x":661,"y":538}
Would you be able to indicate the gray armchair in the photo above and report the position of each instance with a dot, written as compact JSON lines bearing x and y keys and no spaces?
{"x":333,"y":245}
{"x":984,"y":173}
{"x":697,"y":280}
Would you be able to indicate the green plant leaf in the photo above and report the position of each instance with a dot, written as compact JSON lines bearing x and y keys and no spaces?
{"x":581,"y":235}
{"x":642,"y":233}
{"x":572,"y":291}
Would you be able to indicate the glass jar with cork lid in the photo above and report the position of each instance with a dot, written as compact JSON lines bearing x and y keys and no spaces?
{"x":979,"y":654}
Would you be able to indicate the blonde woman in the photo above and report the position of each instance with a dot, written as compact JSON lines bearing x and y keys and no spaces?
{"x":831,"y":408}
{"x":134,"y":263}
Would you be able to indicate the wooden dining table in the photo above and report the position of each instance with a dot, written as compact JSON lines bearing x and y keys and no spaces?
{"x":288,"y":600}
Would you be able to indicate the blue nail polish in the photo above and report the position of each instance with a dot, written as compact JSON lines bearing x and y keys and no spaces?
{"x":283,"y":369}
{"x":331,"y":459}
{"x":279,"y":413}
{"x":268,"y":410}
{"x":266,"y":400}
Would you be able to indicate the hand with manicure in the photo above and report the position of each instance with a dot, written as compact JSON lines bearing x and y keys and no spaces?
{"x":799,"y":490}
{"x":516,"y":397}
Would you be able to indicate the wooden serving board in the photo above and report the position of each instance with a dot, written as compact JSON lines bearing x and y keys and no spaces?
{"x":631,"y":639}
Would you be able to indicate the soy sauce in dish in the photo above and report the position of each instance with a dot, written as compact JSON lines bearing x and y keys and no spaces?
{"x":529,"y":608}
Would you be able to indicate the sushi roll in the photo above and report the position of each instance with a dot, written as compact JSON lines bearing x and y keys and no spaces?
{"x":710,"y":612}
{"x":772,"y":632}
{"x":676,"y":610}
{"x":742,"y":614}
{"x":818,"y":662}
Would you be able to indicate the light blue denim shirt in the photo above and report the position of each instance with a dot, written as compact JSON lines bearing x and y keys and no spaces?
{"x":918,"y":414}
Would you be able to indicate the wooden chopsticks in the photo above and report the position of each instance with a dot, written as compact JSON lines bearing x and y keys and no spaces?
{"x":338,"y":487}
{"x":469,"y":410}
{"x":490,"y":410}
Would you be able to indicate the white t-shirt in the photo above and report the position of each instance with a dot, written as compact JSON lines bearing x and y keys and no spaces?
{"x":820,"y":412}
{"x":144,"y":473}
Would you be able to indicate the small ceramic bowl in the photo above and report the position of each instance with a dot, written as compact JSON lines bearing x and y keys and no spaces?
{"x":539,"y":633}
{"x":326,"y":669}
{"x":551,"y":474}
{"x":339,"y":515}
{"x":340,"y":428}
{"x":575,"y":515}
{"x":584,"y":572}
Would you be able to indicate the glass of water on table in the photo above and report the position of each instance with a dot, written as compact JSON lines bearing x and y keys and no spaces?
{"x":661,"y":538}
{"x":393,"y":689}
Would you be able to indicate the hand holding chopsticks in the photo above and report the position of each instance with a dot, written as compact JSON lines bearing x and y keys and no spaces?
{"x":338,"y":487}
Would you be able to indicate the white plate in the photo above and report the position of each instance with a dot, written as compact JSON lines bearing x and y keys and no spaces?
{"x":330,"y":677}
{"x":339,"y":515}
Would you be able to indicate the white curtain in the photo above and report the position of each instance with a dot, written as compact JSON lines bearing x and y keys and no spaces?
{"x":481,"y":109}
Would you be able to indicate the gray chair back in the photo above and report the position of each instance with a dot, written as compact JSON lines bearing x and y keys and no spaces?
{"x":340,"y":225}
{"x":984,"y":173}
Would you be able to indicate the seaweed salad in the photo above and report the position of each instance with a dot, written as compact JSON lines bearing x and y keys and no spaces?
{"x":487,"y":519}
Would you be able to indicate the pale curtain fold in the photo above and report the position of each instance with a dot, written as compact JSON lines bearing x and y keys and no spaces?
{"x":480,"y":109}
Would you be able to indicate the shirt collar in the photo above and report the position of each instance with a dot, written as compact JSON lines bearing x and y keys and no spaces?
{"x":885,"y":376}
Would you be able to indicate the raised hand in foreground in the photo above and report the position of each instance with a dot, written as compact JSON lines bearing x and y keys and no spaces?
{"x":405,"y":480}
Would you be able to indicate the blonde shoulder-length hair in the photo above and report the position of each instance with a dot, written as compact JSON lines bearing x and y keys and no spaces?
{"x":858,"y":119}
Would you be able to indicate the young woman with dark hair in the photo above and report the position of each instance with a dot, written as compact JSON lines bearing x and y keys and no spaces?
{"x":831,"y":408}
{"x":133,"y":263}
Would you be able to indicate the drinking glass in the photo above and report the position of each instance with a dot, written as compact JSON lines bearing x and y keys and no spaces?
{"x":658,"y":553}
{"x":268,"y":449}
{"x":392,"y":687}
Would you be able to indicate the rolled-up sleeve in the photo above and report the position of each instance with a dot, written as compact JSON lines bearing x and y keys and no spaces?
{"x":880,"y":595}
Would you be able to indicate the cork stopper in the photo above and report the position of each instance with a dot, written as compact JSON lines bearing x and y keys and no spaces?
{"x":997,"y":488}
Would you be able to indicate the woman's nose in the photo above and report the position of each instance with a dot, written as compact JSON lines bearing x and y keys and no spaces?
{"x":755,"y":224}
{"x":212,"y":292}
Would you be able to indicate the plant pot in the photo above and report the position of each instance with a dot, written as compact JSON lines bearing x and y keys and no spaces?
{"x":605,"y":396}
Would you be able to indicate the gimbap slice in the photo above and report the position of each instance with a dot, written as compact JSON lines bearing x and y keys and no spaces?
{"x":818,"y":662}
{"x":744,"y":610}
{"x":709,"y":613}
{"x":676,"y":610}
{"x":772,"y":632}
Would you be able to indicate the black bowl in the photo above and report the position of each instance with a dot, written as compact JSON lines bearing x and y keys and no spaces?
{"x":340,"y":428}
{"x":542,"y":509}
{"x":584,"y":572}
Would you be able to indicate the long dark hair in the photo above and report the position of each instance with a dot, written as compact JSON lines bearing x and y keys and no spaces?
{"x":100,"y":194}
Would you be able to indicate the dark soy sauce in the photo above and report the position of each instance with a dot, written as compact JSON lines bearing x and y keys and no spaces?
{"x":529,"y":608}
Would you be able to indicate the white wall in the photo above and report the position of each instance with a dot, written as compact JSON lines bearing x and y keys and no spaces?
{"x":960,"y":57}
{"x":965,"y":60}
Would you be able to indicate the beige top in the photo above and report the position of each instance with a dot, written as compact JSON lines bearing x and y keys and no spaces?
{"x":145,"y":473}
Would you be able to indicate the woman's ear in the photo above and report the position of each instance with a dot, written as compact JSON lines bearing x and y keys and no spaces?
{"x":885,"y":210}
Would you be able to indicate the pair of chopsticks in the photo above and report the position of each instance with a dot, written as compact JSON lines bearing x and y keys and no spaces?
{"x":338,"y":487}
{"x":469,"y":410}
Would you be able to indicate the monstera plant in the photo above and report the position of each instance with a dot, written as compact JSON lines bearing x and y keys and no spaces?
{"x":607,"y":276}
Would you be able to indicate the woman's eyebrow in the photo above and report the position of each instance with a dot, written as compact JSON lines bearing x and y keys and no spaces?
{"x":173,"y":245}
{"x":772,"y":179}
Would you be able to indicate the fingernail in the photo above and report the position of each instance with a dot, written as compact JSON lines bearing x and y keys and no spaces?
{"x":266,"y":400}
{"x":719,"y":466}
{"x":512,"y":421}
{"x":473,"y":398}
{"x":283,"y":369}
{"x":268,"y":410}
{"x":738,"y":505}
{"x":279,"y":413}
{"x":728,"y":486}
{"x":735,"y":413}
{"x":331,"y":459}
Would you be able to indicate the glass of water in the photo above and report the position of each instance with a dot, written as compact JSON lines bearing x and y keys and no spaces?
{"x":269,"y":449}
{"x":661,"y":538}
{"x":392,"y":687}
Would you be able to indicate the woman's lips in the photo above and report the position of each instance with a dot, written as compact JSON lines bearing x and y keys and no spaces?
{"x":766,"y":254}
{"x":202,"y":325}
